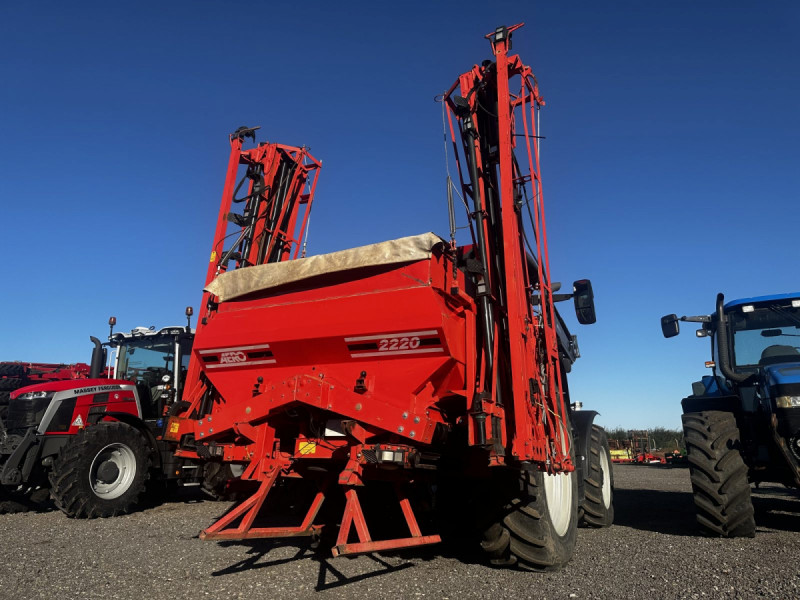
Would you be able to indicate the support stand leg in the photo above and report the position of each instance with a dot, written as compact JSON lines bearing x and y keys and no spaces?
{"x":353,"y":515}
{"x":249,"y":509}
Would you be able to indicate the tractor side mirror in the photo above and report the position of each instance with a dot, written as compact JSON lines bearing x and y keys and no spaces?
{"x":584,"y":301}
{"x":670,"y":326}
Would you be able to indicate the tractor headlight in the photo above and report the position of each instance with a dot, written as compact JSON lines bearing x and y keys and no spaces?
{"x":27,"y":410}
{"x":35,"y":395}
{"x":788,"y":401}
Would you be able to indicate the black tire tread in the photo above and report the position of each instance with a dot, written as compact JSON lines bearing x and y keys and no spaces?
{"x":595,"y":512}
{"x":522,"y":536}
{"x":718,"y":474}
{"x":11,"y":383}
{"x":215,"y":481}
{"x":69,"y":481}
{"x":11,"y":369}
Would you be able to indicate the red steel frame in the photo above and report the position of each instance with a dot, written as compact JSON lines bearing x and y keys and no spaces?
{"x":41,"y":372}
{"x":301,"y":188}
{"x":299,"y":194}
{"x":538,"y":425}
{"x":247,"y":511}
{"x":237,"y":412}
{"x":353,"y":516}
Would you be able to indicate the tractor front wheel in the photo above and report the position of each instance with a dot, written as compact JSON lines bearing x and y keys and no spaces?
{"x":719,"y":474}
{"x":101,"y":472}
{"x":598,"y":484}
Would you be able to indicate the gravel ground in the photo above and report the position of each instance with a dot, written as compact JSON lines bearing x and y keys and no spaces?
{"x":653,"y":551}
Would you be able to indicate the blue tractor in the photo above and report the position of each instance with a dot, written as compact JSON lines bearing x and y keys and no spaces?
{"x":742,"y":423}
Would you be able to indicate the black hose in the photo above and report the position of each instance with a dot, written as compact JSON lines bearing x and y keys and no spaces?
{"x":487,"y":317}
{"x":724,"y":346}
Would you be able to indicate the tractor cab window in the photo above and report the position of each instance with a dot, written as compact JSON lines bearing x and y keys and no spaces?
{"x":765,"y":335}
{"x":145,"y":362}
{"x":186,"y":355}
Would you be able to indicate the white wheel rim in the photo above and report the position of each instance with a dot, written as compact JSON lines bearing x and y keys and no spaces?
{"x":558,"y":495}
{"x":605,"y":467}
{"x":113,"y":455}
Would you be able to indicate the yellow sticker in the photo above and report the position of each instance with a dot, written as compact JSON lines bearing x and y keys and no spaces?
{"x":307,"y":447}
{"x":213,"y":256}
{"x":174,"y":427}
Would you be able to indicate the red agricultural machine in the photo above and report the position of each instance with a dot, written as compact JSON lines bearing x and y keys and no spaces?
{"x":16,"y":374}
{"x":414,"y":366}
{"x":90,"y":443}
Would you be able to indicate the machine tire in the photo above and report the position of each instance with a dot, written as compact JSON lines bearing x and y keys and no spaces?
{"x":12,"y":369}
{"x":216,"y":476}
{"x":10,"y":383}
{"x":598,"y":484}
{"x":535,"y":528}
{"x":718,"y":473}
{"x":526,"y":535}
{"x":119,"y":449}
{"x":4,"y":398}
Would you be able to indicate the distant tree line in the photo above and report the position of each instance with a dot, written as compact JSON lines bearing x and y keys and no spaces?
{"x":660,"y":438}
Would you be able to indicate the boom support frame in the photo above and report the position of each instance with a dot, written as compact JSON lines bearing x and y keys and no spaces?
{"x":519,"y":362}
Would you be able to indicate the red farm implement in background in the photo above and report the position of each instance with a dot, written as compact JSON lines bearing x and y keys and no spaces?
{"x":16,"y":375}
{"x":416,"y":366}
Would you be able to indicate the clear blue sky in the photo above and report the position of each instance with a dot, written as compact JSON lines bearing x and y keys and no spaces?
{"x":671,"y":165}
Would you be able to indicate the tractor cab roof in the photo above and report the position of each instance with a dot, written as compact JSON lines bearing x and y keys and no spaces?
{"x":147,"y":332}
{"x":762,"y":299}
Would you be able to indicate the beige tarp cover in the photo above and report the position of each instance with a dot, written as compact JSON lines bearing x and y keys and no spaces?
{"x":241,"y":282}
